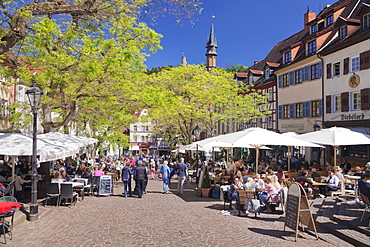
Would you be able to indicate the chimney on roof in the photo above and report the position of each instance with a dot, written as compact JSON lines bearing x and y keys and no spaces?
{"x":256,"y":62}
{"x":308,"y":16}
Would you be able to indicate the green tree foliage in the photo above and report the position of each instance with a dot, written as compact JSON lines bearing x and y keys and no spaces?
{"x":87,"y":56}
{"x":186,"y":96}
{"x":236,"y":68}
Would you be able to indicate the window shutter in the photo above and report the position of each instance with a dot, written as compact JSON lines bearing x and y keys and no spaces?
{"x":280,"y":81}
{"x":365,"y":60}
{"x":305,"y":73}
{"x":346,"y":66}
{"x":328,"y":104}
{"x":320,"y":107}
{"x":320,"y":69}
{"x":280,"y":112}
{"x":291,"y":111}
{"x":328,"y":71}
{"x":306,"y":109}
{"x":344,"y":101}
{"x":365,"y":102}
{"x":291,"y":78}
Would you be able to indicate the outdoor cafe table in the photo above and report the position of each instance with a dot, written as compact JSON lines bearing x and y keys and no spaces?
{"x":355,"y":181}
{"x":7,"y":206}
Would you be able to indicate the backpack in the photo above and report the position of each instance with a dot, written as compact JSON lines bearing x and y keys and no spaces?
{"x":216,"y":193}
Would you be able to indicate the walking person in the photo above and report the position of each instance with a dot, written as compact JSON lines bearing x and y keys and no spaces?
{"x":152,"y":168}
{"x":166,"y":176}
{"x":182,"y":174}
{"x":126,"y":179}
{"x":140,"y":175}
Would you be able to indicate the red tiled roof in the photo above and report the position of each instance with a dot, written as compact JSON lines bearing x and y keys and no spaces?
{"x":241,"y":74}
{"x":275,"y":65}
{"x":256,"y":72}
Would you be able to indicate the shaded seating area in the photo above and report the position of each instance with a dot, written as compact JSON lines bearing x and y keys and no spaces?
{"x":8,"y":205}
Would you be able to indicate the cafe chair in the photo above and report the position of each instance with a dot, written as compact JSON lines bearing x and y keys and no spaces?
{"x":52,"y":191}
{"x":366,"y":200}
{"x":95,"y":184}
{"x":81,"y":190}
{"x":7,"y":225}
{"x":66,"y":192}
{"x":339,"y":192}
{"x":9,"y":189}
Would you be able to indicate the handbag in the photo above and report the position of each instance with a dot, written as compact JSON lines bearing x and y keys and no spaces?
{"x":252,"y":205}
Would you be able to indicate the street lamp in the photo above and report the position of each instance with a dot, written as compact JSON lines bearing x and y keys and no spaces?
{"x":34,"y":94}
{"x":196,"y":132}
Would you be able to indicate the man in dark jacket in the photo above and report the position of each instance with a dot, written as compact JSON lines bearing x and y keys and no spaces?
{"x":126,"y":179}
{"x":140,"y":175}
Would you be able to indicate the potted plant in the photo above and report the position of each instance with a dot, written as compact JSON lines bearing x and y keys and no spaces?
{"x":206,"y":185}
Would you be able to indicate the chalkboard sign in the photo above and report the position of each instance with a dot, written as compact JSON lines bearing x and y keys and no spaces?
{"x":105,"y":185}
{"x":291,"y":217}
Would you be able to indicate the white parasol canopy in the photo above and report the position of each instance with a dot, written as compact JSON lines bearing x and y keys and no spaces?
{"x":258,"y":137}
{"x":336,"y":136}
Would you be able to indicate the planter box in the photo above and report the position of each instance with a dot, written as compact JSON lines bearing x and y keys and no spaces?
{"x":205,"y":192}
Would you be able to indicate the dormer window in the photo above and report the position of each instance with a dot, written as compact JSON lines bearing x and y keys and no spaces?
{"x":329,"y":20}
{"x":343,"y":32}
{"x":267,"y":72}
{"x":251,"y":79}
{"x":287,"y":57}
{"x":366,"y":21}
{"x":314,"y":28}
{"x":311,"y":47}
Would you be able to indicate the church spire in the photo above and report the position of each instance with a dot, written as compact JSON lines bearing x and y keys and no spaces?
{"x":211,"y":46}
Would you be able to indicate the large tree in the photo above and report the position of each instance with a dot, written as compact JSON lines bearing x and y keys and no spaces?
{"x":187,"y":96}
{"x":86,"y":55}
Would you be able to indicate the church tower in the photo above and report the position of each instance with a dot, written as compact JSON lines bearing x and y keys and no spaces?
{"x":211,"y":46}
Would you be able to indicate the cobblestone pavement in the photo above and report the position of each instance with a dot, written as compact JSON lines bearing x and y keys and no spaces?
{"x":155,"y":220}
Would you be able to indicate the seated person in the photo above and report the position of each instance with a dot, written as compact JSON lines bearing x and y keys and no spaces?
{"x":333,"y":184}
{"x":234,"y":187}
{"x":314,"y":174}
{"x":269,"y":171}
{"x":65,"y":176}
{"x":302,"y":180}
{"x":250,"y":185}
{"x":57,"y":178}
{"x":259,"y":182}
{"x":270,"y":193}
{"x":358,"y":171}
{"x":245,"y":176}
{"x":280,"y":174}
{"x":338,"y":173}
{"x":364,"y":184}
{"x":231,"y":179}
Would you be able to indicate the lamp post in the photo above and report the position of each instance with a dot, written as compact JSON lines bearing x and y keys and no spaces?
{"x":196,"y":132}
{"x":34,"y":94}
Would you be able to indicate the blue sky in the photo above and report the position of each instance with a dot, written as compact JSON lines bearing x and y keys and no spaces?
{"x":246,"y":30}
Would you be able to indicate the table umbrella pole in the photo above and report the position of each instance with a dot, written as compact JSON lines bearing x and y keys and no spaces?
{"x":288,"y":158}
{"x":335,"y":155}
{"x":257,"y":155}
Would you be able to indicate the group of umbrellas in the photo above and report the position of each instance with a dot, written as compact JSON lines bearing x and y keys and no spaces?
{"x":258,"y":138}
{"x":50,"y":146}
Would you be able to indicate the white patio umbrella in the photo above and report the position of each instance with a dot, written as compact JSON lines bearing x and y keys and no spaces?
{"x":258,"y":137}
{"x":335,"y":137}
{"x":291,"y":134}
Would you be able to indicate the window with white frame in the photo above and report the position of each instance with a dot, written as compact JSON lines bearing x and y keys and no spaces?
{"x":142,"y":138}
{"x":2,"y":108}
{"x":311,"y":47}
{"x":135,"y":138}
{"x":270,"y":94}
{"x":20,"y":93}
{"x":355,"y":63}
{"x":337,"y":103}
{"x":287,"y":57}
{"x":336,"y":69}
{"x":366,"y":21}
{"x":343,"y":32}
{"x":329,"y":20}
{"x":356,"y":101}
{"x":314,"y":28}
{"x":135,"y":128}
